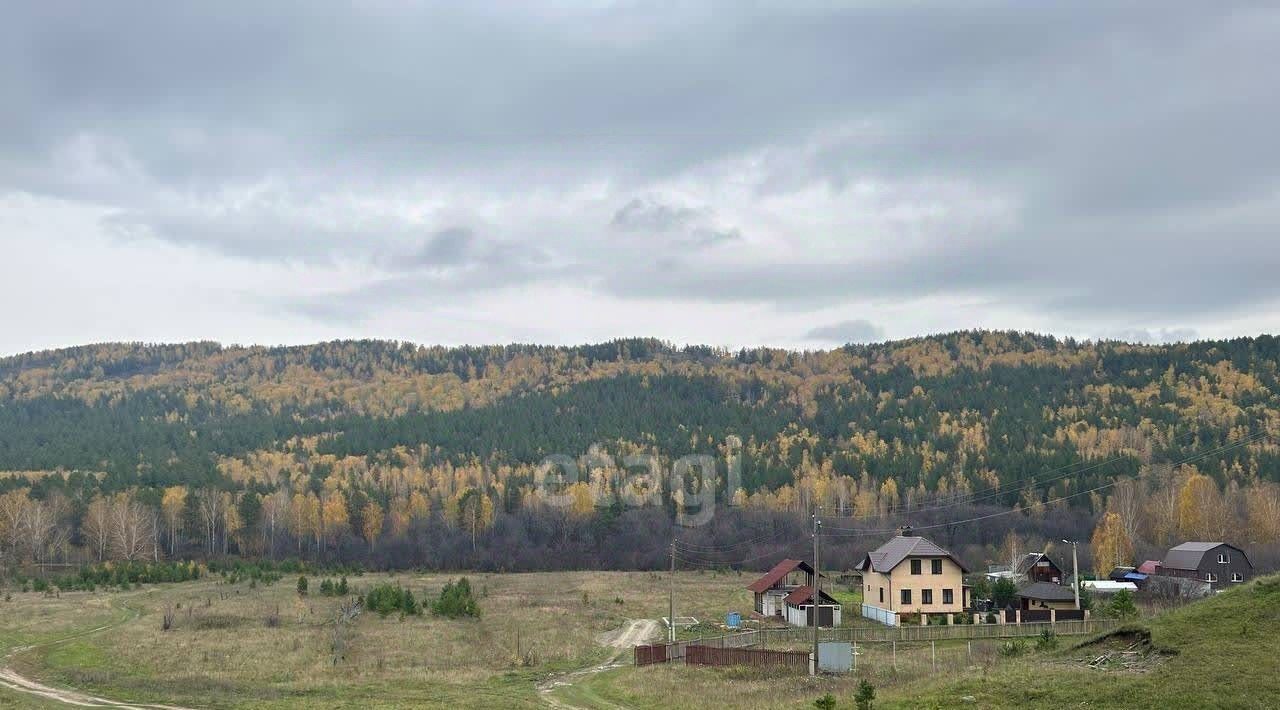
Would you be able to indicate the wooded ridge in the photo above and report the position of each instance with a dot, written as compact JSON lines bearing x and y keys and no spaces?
{"x":343,"y":448}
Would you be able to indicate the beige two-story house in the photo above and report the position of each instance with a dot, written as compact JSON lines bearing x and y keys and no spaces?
{"x":911,"y":575}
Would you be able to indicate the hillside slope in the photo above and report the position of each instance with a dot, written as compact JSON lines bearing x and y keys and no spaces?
{"x":1221,"y":652}
{"x":349,"y":445}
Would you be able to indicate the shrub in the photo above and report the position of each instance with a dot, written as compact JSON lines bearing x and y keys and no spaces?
{"x":1003,"y":591}
{"x":302,"y":586}
{"x":1047,"y":641}
{"x":865,"y":696}
{"x":386,"y":599}
{"x":1012,"y":648}
{"x":826,"y":702}
{"x":456,"y":600}
{"x":1122,"y":605}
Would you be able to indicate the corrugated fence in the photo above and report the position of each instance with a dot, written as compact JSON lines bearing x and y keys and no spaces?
{"x":707,"y":656}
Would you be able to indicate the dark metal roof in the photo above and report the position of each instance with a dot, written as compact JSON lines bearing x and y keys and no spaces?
{"x":804,"y":595}
{"x":1029,"y":561}
{"x":891,"y":554}
{"x":1188,"y":555}
{"x":775,"y":575}
{"x":1047,"y":591}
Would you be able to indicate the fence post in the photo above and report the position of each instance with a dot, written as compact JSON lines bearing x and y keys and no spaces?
{"x":933,"y":648}
{"x":895,"y":656}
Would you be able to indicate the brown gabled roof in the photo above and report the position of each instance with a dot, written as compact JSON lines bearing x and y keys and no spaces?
{"x":891,"y":554}
{"x":775,"y":575}
{"x":804,"y":595}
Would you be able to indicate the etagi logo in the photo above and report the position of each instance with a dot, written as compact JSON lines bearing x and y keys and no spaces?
{"x":639,"y":480}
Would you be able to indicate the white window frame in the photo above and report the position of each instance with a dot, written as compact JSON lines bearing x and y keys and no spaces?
{"x":1237,"y":577}
{"x":1224,"y":558}
{"x":1210,"y":577}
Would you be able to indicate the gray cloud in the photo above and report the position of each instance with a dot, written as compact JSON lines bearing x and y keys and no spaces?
{"x":1084,"y":161}
{"x":447,"y":247}
{"x":648,"y":215}
{"x":849,"y":331}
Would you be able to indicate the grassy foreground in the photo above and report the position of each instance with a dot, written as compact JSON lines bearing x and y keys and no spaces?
{"x":222,"y":653}
{"x":1223,"y":652}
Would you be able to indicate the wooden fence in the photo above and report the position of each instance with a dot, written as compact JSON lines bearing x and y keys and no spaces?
{"x":772,"y":637}
{"x":769,"y":638}
{"x":708,"y":656}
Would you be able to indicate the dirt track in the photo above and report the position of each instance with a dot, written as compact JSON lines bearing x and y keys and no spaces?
{"x":13,"y":680}
{"x":636,"y":632}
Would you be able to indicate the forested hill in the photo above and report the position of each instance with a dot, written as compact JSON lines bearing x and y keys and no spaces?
{"x":432,"y":431}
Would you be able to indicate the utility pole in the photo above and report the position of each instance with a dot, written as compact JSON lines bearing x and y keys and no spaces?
{"x":817,"y":589}
{"x":671,"y":619}
{"x":1075,"y":571}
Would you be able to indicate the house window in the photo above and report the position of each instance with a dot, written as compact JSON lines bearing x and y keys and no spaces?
{"x":915,"y":566}
{"x":926,"y":596}
{"x":882,"y":595}
{"x":937,"y":566}
{"x":948,"y":597}
{"x":1237,"y":577}
{"x":1223,"y":558}
{"x":906,"y":596}
{"x":1210,"y":577}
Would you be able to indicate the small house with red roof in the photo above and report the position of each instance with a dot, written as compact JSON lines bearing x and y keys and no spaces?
{"x":772,"y":590}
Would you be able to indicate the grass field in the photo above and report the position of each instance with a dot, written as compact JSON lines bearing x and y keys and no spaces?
{"x":221,"y":653}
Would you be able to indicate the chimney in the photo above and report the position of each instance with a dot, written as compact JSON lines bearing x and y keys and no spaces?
{"x":906,"y":531}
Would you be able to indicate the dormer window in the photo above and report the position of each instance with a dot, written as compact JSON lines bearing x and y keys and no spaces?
{"x":1223,"y":558}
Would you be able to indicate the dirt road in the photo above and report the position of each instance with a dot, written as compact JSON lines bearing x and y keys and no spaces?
{"x":636,"y":632}
{"x":14,"y":681}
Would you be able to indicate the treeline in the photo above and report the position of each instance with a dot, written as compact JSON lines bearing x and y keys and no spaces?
{"x":369,"y":450}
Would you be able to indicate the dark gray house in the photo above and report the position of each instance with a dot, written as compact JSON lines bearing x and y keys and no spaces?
{"x":1218,"y":563}
{"x":1039,"y":567}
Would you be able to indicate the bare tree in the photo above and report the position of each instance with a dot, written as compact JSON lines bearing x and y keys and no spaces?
{"x":275,"y":508}
{"x":211,"y":513}
{"x":133,"y":528}
{"x":97,"y":526}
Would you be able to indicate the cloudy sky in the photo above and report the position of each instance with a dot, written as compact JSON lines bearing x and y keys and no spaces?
{"x":797,"y":174}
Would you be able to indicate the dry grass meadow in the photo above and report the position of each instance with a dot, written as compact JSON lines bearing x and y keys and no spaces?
{"x":223,"y":653}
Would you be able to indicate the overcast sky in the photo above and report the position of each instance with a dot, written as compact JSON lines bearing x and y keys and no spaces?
{"x":796,"y":174}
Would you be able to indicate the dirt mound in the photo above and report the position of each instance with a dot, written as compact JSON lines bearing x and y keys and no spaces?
{"x":1127,"y":649}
